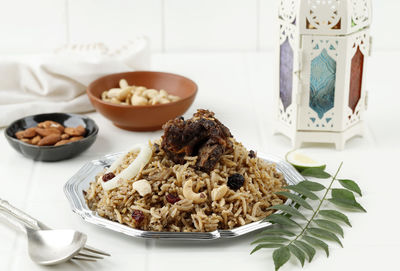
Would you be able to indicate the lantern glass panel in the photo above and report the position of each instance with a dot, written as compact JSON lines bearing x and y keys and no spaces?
{"x":322,"y":83}
{"x":286,"y":74}
{"x":357,"y":65}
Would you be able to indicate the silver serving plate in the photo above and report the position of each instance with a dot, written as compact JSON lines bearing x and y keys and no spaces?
{"x":80,"y":181}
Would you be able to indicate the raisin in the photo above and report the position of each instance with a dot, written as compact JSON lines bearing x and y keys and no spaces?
{"x":252,"y":154}
{"x":138,"y":216}
{"x":156,"y":148}
{"x":235,"y":181}
{"x":108,"y":176}
{"x":172,"y":198}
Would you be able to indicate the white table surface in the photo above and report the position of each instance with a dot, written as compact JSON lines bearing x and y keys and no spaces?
{"x":238,"y":88}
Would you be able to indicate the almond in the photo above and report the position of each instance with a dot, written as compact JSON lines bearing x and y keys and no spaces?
{"x":47,"y":131}
{"x":62,"y":142}
{"x":30,"y":132}
{"x":51,"y":124}
{"x":26,"y":140}
{"x":75,"y":138}
{"x":64,"y":136}
{"x":36,"y":140}
{"x":20,"y":134}
{"x":51,"y":139}
{"x":78,"y":131}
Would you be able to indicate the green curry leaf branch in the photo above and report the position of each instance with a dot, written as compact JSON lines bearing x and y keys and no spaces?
{"x":298,"y":229}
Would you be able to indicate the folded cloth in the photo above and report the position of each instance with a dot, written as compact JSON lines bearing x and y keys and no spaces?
{"x":57,"y":82}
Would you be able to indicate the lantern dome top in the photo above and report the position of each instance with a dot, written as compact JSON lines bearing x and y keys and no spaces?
{"x":326,"y":17}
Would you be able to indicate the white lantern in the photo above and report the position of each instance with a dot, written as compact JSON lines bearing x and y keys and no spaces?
{"x":323,"y":46}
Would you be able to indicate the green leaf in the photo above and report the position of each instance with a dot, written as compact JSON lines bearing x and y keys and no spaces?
{"x":335,"y":215}
{"x":312,"y":186}
{"x":321,"y":233}
{"x":295,"y":198}
{"x":345,"y":198}
{"x":275,"y":231}
{"x":301,"y":190}
{"x":351,"y":185}
{"x":347,"y":204}
{"x":316,"y":172}
{"x":287,"y":209}
{"x":316,"y":242}
{"x":270,"y":239}
{"x":340,"y":193}
{"x":298,"y":253}
{"x":282,"y":220}
{"x":306,"y":248}
{"x":329,"y":225}
{"x":258,"y":247}
{"x":281,"y":256}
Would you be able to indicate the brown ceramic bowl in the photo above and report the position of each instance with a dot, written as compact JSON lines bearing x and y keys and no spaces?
{"x":144,"y":117}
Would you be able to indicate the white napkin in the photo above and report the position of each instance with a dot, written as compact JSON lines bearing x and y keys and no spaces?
{"x":57,"y":82}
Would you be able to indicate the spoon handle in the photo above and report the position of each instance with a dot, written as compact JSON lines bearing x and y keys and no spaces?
{"x":20,"y":224}
{"x":20,"y":215}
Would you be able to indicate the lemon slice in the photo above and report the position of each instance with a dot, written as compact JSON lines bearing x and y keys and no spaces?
{"x":301,"y":161}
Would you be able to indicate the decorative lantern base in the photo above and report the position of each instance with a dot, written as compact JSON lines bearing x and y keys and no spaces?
{"x":337,"y":138}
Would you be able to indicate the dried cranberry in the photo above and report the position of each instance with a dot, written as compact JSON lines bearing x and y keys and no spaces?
{"x":138,"y":216}
{"x":235,"y":181}
{"x":252,"y":154}
{"x":108,"y":176}
{"x":172,"y":198}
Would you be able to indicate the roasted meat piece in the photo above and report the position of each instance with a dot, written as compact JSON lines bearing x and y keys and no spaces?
{"x":202,"y":135}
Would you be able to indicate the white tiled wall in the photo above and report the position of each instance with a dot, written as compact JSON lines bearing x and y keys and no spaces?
{"x":172,"y":25}
{"x":27,"y":26}
{"x":210,"y":24}
{"x":117,"y":20}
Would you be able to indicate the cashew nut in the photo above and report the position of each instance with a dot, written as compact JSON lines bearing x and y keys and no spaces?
{"x":139,"y":91}
{"x":123,"y":83}
{"x":113,"y":93}
{"x":164,"y":101}
{"x":137,"y":95}
{"x":219,"y":192}
{"x":189,"y":194}
{"x":124,"y":93}
{"x":163,"y":93}
{"x":143,"y":187}
{"x":138,"y":100}
{"x":150,"y":93}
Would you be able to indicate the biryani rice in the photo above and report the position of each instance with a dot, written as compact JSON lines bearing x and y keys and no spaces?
{"x":235,"y":208}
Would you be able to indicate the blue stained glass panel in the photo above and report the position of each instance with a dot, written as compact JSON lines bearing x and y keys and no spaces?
{"x":322,"y":83}
{"x":286,"y":74}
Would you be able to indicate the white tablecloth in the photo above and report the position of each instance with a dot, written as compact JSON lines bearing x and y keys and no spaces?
{"x":238,"y":88}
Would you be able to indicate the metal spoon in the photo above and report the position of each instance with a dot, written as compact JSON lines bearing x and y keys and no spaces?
{"x":49,"y":247}
{"x":87,"y":253}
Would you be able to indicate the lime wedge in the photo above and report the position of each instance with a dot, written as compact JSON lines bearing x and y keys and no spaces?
{"x":301,"y":161}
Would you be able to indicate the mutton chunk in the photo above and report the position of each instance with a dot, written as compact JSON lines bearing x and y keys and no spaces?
{"x":203,"y":135}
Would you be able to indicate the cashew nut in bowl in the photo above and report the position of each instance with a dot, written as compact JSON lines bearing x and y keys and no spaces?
{"x":137,"y":95}
{"x":189,"y":194}
{"x":113,"y":93}
{"x":123,"y":83}
{"x":124,"y":93}
{"x":219,"y":192}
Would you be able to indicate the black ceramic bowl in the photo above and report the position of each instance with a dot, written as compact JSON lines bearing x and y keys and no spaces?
{"x":52,"y":153}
